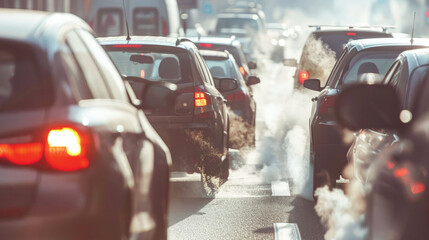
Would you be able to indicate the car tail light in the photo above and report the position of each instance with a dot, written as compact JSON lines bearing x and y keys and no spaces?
{"x":351,"y":34}
{"x":165,"y":29}
{"x":127,"y":45}
{"x":239,"y":96}
{"x":22,"y":154}
{"x":66,"y":149}
{"x":326,"y":104}
{"x":206,"y":45}
{"x":200,"y":99}
{"x":303,"y":75}
{"x":242,"y":71}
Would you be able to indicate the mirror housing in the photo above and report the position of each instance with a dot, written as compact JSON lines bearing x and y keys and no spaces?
{"x":313,"y":84}
{"x":252,"y":80}
{"x":152,"y":95}
{"x":363,"y":106}
{"x":252,"y":65}
{"x":142,"y":59}
{"x":226,"y":84}
{"x":290,"y":62}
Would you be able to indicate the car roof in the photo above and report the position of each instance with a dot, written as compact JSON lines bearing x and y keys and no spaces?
{"x":28,"y":25}
{"x":216,"y":40}
{"x":245,"y":15}
{"x":147,"y":40}
{"x":215,"y":54}
{"x":420,"y":56}
{"x":363,"y":44}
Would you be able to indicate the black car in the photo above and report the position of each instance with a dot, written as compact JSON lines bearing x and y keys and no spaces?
{"x":78,"y":159}
{"x":324,"y":46}
{"x":240,"y":99}
{"x":406,"y":75}
{"x":397,"y":189}
{"x":231,"y":45}
{"x":196,"y":126}
{"x":360,"y":60}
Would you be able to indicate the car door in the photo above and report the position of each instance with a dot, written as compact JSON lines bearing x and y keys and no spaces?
{"x":126,"y":138}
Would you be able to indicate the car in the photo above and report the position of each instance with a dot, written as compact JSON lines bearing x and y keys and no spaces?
{"x":78,"y":160}
{"x":405,"y":77}
{"x":249,"y":30}
{"x":196,"y":126}
{"x":324,"y":46}
{"x":239,"y":98}
{"x":149,"y":17}
{"x":396,"y":193}
{"x":233,"y":46}
{"x":360,"y":59}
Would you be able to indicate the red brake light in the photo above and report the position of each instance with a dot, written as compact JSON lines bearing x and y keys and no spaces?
{"x":66,"y":149}
{"x":417,"y":188}
{"x":165,"y":29}
{"x":400,"y":172}
{"x":326,"y":104}
{"x":242,"y":71}
{"x":127,"y":45}
{"x":303,"y":75}
{"x":351,"y":34}
{"x":206,"y":45}
{"x":239,"y":96}
{"x":22,"y":154}
{"x":200,"y":99}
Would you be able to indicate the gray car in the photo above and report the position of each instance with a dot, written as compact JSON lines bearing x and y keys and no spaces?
{"x":78,"y":160}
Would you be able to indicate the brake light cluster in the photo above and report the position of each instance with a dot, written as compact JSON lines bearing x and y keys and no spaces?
{"x":302,"y":76}
{"x":64,"y":149}
{"x":200,"y":99}
{"x":206,"y":45}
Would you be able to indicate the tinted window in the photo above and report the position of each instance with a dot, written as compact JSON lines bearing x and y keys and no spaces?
{"x":239,"y":26}
{"x":20,"y":85}
{"x":145,"y":21}
{"x":221,"y":68}
{"x":110,"y":22}
{"x":152,"y":65}
{"x":369,"y":66}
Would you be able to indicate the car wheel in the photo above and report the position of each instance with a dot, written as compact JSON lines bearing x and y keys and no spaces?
{"x":160,"y":190}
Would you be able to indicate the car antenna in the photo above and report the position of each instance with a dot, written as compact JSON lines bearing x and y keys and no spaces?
{"x":126,"y":21}
{"x":412,"y":30}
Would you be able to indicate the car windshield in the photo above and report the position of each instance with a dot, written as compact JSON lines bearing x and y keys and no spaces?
{"x":20,"y":87}
{"x":369,"y":66}
{"x":152,"y":65}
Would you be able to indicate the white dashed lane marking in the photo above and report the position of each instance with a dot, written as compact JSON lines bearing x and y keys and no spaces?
{"x":280,"y":188}
{"x":286,"y":231}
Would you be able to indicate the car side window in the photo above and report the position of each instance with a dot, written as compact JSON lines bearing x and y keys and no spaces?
{"x":394,"y":80}
{"x":331,"y":82}
{"x":74,"y":75}
{"x":208,"y":77}
{"x":108,"y":70}
{"x":390,"y":72}
{"x":88,"y":66}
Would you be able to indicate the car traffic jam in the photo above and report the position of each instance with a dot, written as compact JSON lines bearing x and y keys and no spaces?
{"x":103,"y":103}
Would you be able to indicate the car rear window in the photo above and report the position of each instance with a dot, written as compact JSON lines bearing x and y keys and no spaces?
{"x":145,"y":21}
{"x":110,"y":22}
{"x":20,"y":85}
{"x":232,"y":50}
{"x":239,"y":26}
{"x":369,"y":65}
{"x":337,"y":40}
{"x":221,"y":68}
{"x":153,"y":65}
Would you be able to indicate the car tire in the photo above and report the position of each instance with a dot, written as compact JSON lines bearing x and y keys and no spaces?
{"x":160,"y":201}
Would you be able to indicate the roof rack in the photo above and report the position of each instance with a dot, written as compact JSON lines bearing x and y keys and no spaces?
{"x":384,"y":28}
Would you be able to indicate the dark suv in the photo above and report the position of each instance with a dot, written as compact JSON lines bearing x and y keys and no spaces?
{"x":360,"y":60}
{"x":78,"y":160}
{"x":324,"y":46}
{"x":196,"y":126}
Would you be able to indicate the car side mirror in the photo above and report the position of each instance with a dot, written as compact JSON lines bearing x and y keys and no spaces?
{"x":252,"y":80}
{"x":226,"y":84}
{"x":365,"y":106}
{"x":290,"y":62}
{"x":252,"y":65}
{"x":152,"y":95}
{"x":313,"y":84}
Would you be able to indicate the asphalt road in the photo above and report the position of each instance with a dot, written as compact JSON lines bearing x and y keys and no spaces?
{"x":263,"y":198}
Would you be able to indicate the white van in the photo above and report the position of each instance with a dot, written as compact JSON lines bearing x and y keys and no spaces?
{"x":145,"y":17}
